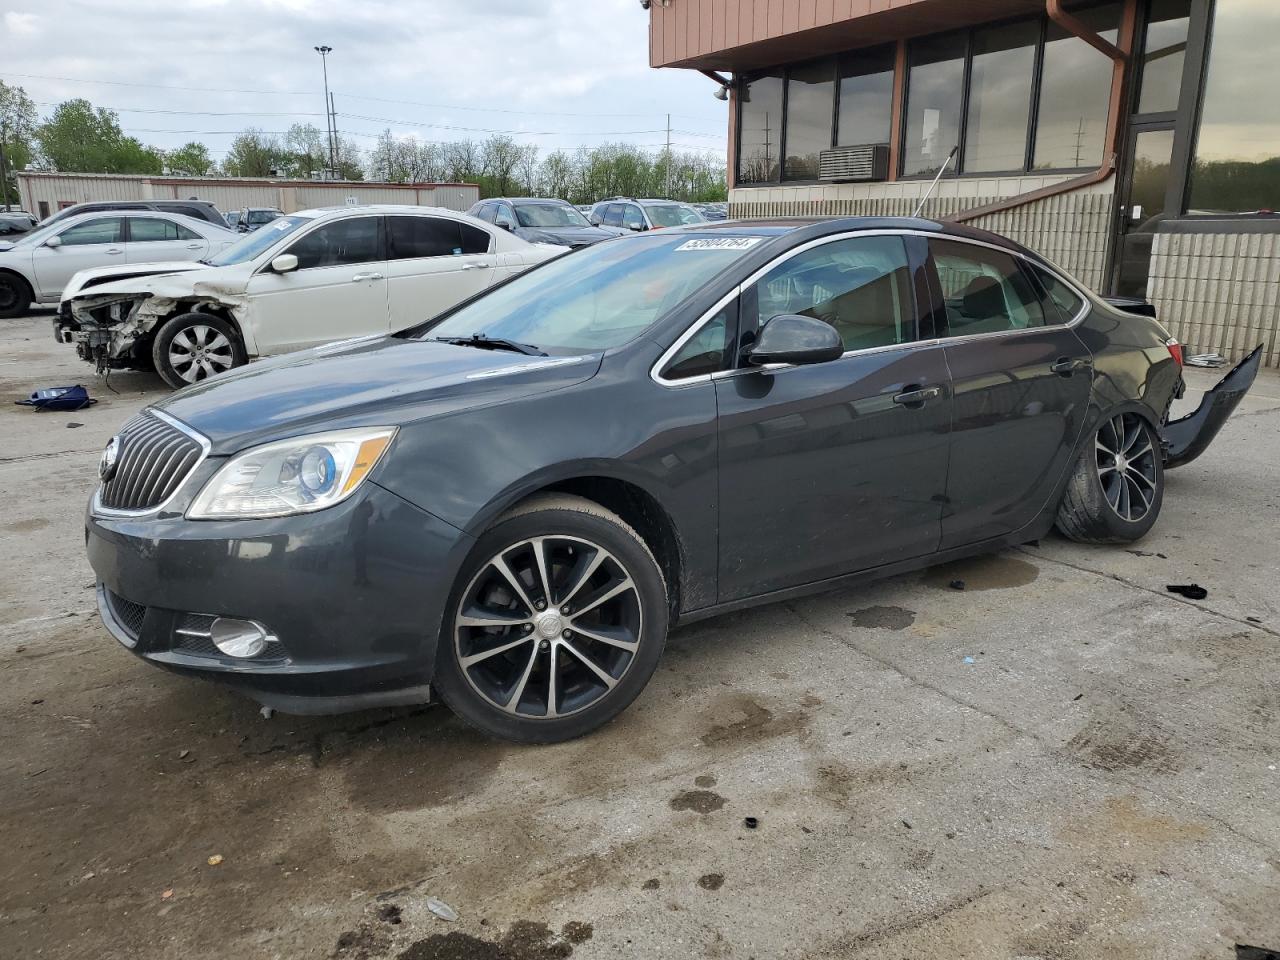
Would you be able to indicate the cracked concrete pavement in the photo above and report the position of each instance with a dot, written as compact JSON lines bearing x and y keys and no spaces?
{"x":1062,"y":761}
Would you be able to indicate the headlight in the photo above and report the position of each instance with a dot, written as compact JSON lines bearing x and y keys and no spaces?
{"x":300,"y":475}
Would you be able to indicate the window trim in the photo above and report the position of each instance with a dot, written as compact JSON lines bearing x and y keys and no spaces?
{"x":1020,"y":258}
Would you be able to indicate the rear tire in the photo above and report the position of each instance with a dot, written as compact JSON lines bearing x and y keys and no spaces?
{"x":195,"y":346}
{"x":1116,"y":489}
{"x":15,"y":295}
{"x":578,"y":640}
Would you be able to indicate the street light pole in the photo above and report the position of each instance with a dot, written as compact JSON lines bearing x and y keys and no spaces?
{"x":324,"y":52}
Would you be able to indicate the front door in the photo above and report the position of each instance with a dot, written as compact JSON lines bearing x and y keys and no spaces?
{"x":840,"y":466}
{"x":338,"y":291}
{"x":1022,"y":382}
{"x":1143,"y":208}
{"x":93,"y":243}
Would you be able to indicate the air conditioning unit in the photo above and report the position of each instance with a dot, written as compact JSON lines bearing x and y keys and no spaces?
{"x":867,"y":162}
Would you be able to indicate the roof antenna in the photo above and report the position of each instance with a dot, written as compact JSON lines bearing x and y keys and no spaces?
{"x":933,"y":186}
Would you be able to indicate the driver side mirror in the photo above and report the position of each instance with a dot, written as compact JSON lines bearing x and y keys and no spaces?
{"x":504,"y":224}
{"x":637,"y":227}
{"x":795,"y":339}
{"x":55,"y":242}
{"x":284,"y":263}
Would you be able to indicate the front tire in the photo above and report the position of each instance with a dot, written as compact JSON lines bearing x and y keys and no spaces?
{"x":15,"y":295}
{"x":555,"y":625}
{"x":1116,"y":489}
{"x":194,"y":346}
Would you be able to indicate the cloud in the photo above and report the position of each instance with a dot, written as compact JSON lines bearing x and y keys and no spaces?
{"x":21,"y":24}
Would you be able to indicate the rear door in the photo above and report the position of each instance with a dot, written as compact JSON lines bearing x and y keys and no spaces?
{"x":835,"y":467}
{"x":338,"y":291}
{"x":1022,"y":382}
{"x":156,"y":239}
{"x":93,"y":243}
{"x":434,"y":262}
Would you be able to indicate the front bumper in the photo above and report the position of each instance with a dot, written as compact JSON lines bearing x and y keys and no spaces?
{"x":355,"y":595}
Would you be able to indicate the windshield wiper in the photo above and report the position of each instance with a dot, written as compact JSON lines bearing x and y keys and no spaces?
{"x":491,"y":343}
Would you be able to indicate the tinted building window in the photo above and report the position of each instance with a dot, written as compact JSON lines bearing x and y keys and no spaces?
{"x":935,"y":95}
{"x":1075,"y":94}
{"x":1004,"y":59}
{"x":810,"y":109}
{"x":1163,"y":55}
{"x":1237,"y":166}
{"x":866,"y":97}
{"x":760,"y":129}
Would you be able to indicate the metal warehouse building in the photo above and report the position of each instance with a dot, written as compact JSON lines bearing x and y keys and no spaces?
{"x":46,"y":193}
{"x":1136,"y":142}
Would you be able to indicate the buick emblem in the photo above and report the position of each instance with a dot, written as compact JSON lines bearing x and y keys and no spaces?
{"x":107,"y":465}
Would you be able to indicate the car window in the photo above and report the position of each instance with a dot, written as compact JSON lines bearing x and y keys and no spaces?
{"x":632,"y":218}
{"x":1058,"y":297}
{"x":549,"y":215}
{"x":985,"y":290}
{"x":412,"y":238}
{"x":150,"y":229}
{"x":613,"y":215}
{"x":262,"y":216}
{"x":673,"y":214}
{"x":705,"y":352}
{"x":485,"y":212}
{"x":859,"y":285}
{"x":340,"y":243}
{"x":502,"y":213}
{"x":105,"y":230}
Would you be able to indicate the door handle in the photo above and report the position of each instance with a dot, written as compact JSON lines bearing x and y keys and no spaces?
{"x":194,"y":246}
{"x":113,"y":251}
{"x":366,"y":276}
{"x":1066,"y":366}
{"x":915,"y":397}
{"x":476,"y":266}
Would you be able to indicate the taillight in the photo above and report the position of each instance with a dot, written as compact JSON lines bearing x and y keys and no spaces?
{"x":1175,"y":350}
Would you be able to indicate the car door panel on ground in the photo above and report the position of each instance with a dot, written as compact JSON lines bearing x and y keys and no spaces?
{"x":94,"y":243}
{"x":338,"y":291}
{"x":1022,"y":381}
{"x":840,"y":466}
{"x":156,"y":239}
{"x":434,"y":263}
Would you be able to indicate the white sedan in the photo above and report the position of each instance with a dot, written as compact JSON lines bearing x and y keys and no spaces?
{"x":303,"y":280}
{"x":37,"y":267}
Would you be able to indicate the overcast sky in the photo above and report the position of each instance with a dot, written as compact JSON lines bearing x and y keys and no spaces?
{"x":559,"y":73}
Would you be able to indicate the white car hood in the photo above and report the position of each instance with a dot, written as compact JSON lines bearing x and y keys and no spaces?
{"x":125,"y":271}
{"x":216,"y":282}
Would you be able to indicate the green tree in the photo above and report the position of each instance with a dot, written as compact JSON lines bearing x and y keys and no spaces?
{"x":80,"y":139}
{"x":191,"y":159}
{"x":18,"y":122}
{"x":255,"y":154}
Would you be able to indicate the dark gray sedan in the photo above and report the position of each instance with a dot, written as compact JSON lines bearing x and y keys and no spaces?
{"x":511,"y":504}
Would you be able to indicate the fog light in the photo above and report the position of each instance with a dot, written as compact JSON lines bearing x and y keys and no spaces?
{"x":239,"y":638}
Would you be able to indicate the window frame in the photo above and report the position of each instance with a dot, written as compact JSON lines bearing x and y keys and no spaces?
{"x":120,"y":237}
{"x":1020,"y":264}
{"x":324,"y":224}
{"x":925,"y":307}
{"x":178,"y":228}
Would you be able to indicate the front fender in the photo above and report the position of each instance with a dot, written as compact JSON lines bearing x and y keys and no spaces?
{"x":1187,"y":437}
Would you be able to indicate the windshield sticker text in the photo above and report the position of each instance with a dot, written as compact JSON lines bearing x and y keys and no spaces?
{"x":720,"y":243}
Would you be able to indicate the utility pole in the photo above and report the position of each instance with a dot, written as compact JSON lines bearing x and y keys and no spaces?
{"x":4,"y":170}
{"x":324,"y":52}
{"x":333,"y":123}
{"x":669,"y":156}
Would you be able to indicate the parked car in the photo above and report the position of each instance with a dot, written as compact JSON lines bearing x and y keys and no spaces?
{"x":639,"y":215}
{"x":303,"y":280}
{"x":542,"y":221}
{"x":196,"y":209}
{"x":507,"y":506}
{"x":712,"y":211}
{"x":251,"y":218}
{"x":233,"y":219}
{"x":583,"y":208}
{"x":15,"y":222}
{"x":37,"y":267}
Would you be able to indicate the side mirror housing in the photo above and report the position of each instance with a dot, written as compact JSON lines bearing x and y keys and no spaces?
{"x":794,"y":339}
{"x":636,"y":227}
{"x":55,"y":242}
{"x":284,"y":263}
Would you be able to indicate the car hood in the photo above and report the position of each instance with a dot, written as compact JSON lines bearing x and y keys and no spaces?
{"x":364,"y":382}
{"x":203,"y":280}
{"x":564,"y":235}
{"x":88,"y":279}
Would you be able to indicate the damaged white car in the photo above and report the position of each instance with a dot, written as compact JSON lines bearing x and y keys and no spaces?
{"x":302,"y":280}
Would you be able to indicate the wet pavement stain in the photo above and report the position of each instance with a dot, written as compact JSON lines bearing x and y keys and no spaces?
{"x":756,"y":722}
{"x":711,"y":881}
{"x":26,"y":526}
{"x":699,"y":801}
{"x":524,"y":940}
{"x":706,"y":781}
{"x":882,"y":618}
{"x":995,"y":572}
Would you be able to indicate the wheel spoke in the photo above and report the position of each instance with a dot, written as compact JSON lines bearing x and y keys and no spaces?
{"x":183,"y":341}
{"x":1130,"y":438}
{"x":471,"y":661}
{"x":540,"y":559}
{"x":628,"y":645}
{"x":486,"y":619}
{"x":513,"y":702}
{"x":586,"y":661}
{"x":1139,"y":475}
{"x":551,"y":681}
{"x":592,"y":566}
{"x":1135,"y":488}
{"x":218,"y":343}
{"x":499,"y":563}
{"x":606,"y":596}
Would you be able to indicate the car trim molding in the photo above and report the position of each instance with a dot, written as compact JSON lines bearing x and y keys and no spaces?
{"x":98,"y":510}
{"x":655,"y":372}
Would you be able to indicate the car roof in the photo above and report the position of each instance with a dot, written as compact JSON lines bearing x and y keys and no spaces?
{"x":370,"y":208}
{"x":821,"y":226}
{"x":141,"y":213}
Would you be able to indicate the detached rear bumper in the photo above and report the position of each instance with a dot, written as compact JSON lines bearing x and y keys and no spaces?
{"x":1187,"y":437}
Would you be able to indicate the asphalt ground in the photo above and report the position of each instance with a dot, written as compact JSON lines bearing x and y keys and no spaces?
{"x":1061,"y":761}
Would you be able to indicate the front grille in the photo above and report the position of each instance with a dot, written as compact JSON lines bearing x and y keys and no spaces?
{"x":127,"y":613}
{"x":192,"y":635}
{"x":153,"y":458}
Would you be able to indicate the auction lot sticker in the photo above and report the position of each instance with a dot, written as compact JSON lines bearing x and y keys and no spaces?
{"x":720,"y":243}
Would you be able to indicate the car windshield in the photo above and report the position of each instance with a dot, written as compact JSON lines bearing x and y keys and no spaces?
{"x":673,"y":214}
{"x":251,"y":244}
{"x":599,"y":297}
{"x":40,"y":234}
{"x":549,"y":215}
{"x":262,"y":216}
